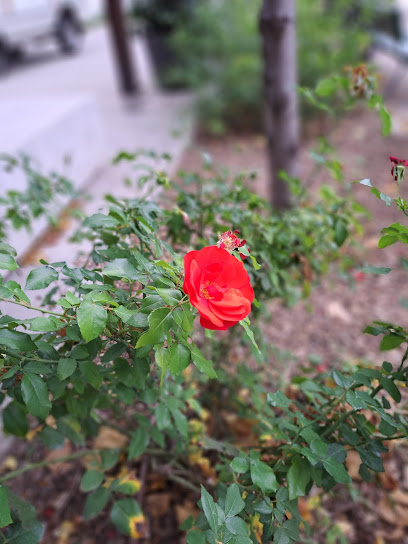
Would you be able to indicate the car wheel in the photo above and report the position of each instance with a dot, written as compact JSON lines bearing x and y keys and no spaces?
{"x":4,"y":59}
{"x":70,"y":34}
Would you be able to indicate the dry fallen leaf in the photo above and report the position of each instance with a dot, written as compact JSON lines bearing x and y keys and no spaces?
{"x":185,"y":510}
{"x":9,"y":463}
{"x":336,"y":310}
{"x":353,"y":463}
{"x":395,"y":515}
{"x":109,"y":438}
{"x":397,"y":535}
{"x":158,"y":504}
{"x":64,"y":531}
{"x":400,"y":496}
{"x":56,"y":454}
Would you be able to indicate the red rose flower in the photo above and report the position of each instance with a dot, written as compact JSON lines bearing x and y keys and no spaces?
{"x":217,"y":284}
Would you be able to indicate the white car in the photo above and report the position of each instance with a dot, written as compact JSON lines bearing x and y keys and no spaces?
{"x":22,"y":21}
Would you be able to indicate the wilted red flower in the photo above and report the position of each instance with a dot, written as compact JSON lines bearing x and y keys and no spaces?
{"x":398,"y":164}
{"x":229,"y":240}
{"x":218,"y":285}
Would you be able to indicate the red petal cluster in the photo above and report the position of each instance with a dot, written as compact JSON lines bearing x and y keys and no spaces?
{"x":218,"y":285}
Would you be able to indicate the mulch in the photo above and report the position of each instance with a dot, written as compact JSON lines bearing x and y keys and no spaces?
{"x":326,"y":329}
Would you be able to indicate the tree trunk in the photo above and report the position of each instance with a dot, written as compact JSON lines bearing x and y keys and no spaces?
{"x":277,"y":26}
{"x":120,"y":42}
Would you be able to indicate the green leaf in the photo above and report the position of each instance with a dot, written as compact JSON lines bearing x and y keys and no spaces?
{"x":203,"y":364}
{"x":40,"y":278}
{"x":341,"y":380}
{"x":17,"y":533}
{"x":16,"y":340}
{"x":66,"y":367}
{"x":240,"y":465}
{"x":196,"y":537}
{"x":298,"y":477}
{"x":46,"y":324}
{"x":125,"y":514}
{"x":138,"y":443}
{"x":91,"y":480}
{"x":170,"y":296}
{"x":337,"y":470}
{"x":99,"y":220}
{"x":376,"y":270}
{"x":7,"y":262}
{"x":51,"y":438}
{"x":350,"y":436}
{"x":96,"y":502}
{"x":386,"y":241}
{"x":134,"y":318}
{"x":151,"y":303}
{"x":122,"y":269}
{"x":263,"y":476}
{"x":391,"y":388}
{"x":35,"y":395}
{"x":386,"y":429}
{"x":113,"y":352}
{"x":233,"y":501}
{"x":15,"y":419}
{"x":385,"y":118}
{"x":162,"y":414}
{"x":371,"y":459}
{"x":181,"y":422}
{"x":245,"y":323}
{"x":125,"y":372}
{"x":237,"y":526}
{"x":90,"y":371}
{"x":391,"y":341}
{"x":354,"y":401}
{"x":6,"y":248}
{"x":110,"y":458}
{"x":179,"y":358}
{"x":326,"y":87}
{"x":5,"y":518}
{"x":340,"y":233}
{"x":92,"y":319}
{"x":159,"y":322}
{"x":278,"y":399}
{"x":365,"y":473}
{"x":210,"y":509}
{"x":187,"y":524}
{"x":387,"y":368}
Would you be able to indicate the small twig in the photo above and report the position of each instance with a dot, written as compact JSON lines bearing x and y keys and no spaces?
{"x":144,"y":469}
{"x":33,"y":466}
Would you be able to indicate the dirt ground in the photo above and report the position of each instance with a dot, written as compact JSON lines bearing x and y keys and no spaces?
{"x":326,"y":328}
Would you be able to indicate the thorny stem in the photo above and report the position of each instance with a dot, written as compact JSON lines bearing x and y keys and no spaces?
{"x":32,"y":307}
{"x":24,"y":357}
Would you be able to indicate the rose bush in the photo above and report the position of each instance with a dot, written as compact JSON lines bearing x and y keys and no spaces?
{"x":218,"y":285}
{"x":111,"y":344}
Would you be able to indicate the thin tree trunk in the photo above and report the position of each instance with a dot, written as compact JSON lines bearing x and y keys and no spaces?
{"x":121,"y":46}
{"x":277,"y":26}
